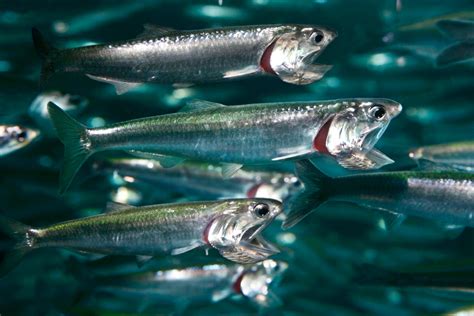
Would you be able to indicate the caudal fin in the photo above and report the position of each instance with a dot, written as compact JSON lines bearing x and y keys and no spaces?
{"x":77,"y":146}
{"x":310,"y":198}
{"x":46,"y":52}
{"x":24,"y":242}
{"x":456,"y":53}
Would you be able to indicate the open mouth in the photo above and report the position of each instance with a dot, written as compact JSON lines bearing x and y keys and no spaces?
{"x":252,"y":247}
{"x":372,"y":137}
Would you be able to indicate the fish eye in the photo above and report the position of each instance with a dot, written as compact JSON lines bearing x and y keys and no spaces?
{"x":21,"y":137}
{"x":318,"y":38}
{"x":377,"y":112}
{"x":261,"y":209}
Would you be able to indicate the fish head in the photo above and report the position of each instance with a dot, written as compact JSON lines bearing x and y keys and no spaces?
{"x":293,"y":53}
{"x":254,"y":283}
{"x":236,"y":231}
{"x":67,"y":102}
{"x":353,"y":132}
{"x":14,"y":137}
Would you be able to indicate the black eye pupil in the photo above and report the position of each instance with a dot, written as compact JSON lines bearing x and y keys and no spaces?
{"x":378,"y":112}
{"x":318,"y":38}
{"x":22,"y":136}
{"x":262,"y":210}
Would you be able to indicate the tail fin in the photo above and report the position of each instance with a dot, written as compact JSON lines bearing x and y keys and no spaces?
{"x":46,"y":52}
{"x":307,"y":201}
{"x":24,"y":243}
{"x":77,"y":146}
{"x":456,"y":53}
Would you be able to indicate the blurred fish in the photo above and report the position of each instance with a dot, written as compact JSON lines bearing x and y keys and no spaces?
{"x":432,"y":22}
{"x":233,"y":227}
{"x":462,"y":31}
{"x":19,"y":97}
{"x":166,"y":55}
{"x":194,"y":284}
{"x":446,"y":197}
{"x":345,"y":130}
{"x":456,"y":156}
{"x":202,"y":180}
{"x":15,"y":137}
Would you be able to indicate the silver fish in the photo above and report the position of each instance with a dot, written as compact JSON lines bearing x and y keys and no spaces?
{"x":233,"y":227}
{"x":166,"y":55}
{"x":208,"y":283}
{"x":200,"y":180}
{"x":250,"y":134}
{"x":15,"y":137}
{"x":457,"y":156}
{"x":443,"y":196}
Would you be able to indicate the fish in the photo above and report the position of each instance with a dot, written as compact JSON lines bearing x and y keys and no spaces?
{"x":20,"y":97}
{"x":15,"y":137}
{"x":443,"y":196}
{"x":456,"y":156}
{"x":463,"y":50}
{"x":200,"y":180}
{"x":233,"y":227}
{"x":182,"y":58}
{"x":249,"y":134}
{"x":209,"y":283}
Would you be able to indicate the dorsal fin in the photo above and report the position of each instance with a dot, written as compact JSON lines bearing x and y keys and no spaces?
{"x":196,"y":105}
{"x":114,"y":207}
{"x":150,"y":30}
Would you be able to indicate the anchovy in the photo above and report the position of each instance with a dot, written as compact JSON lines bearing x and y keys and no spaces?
{"x":166,"y":55}
{"x":232,"y":227}
{"x":15,"y":137}
{"x":202,"y":180}
{"x":443,"y":196}
{"x":250,"y":134}
{"x":456,"y":156}
{"x":208,"y":283}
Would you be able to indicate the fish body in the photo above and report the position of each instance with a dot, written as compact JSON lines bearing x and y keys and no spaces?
{"x":15,"y":137}
{"x":207,"y":283}
{"x":231,"y":226}
{"x":203,"y":180}
{"x":236,"y":135}
{"x":457,"y":156}
{"x":443,"y":196}
{"x":166,"y":55}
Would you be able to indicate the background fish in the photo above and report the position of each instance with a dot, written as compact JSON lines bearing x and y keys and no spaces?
{"x":457,"y":156}
{"x":15,"y":137}
{"x":442,"y":196}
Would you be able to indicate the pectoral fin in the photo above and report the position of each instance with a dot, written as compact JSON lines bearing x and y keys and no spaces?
{"x":390,"y":220}
{"x":229,"y":169}
{"x":360,"y":160}
{"x":182,"y":250}
{"x":120,"y":86}
{"x":142,"y":260}
{"x":196,"y":105}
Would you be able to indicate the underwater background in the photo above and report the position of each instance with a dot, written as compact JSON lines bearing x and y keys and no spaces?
{"x":339,"y":257}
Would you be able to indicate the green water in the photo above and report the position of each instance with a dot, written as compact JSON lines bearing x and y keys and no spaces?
{"x":384,"y":49}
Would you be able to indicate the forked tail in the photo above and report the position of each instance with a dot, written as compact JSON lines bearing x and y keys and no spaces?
{"x":47,"y":53}
{"x":77,"y":145}
{"x":302,"y":204}
{"x":24,"y":238}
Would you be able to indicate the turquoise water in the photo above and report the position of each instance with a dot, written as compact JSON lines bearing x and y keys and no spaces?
{"x":338,"y":257}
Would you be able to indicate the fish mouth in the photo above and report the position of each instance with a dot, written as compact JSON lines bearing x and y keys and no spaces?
{"x":251,"y":247}
{"x":372,"y":137}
